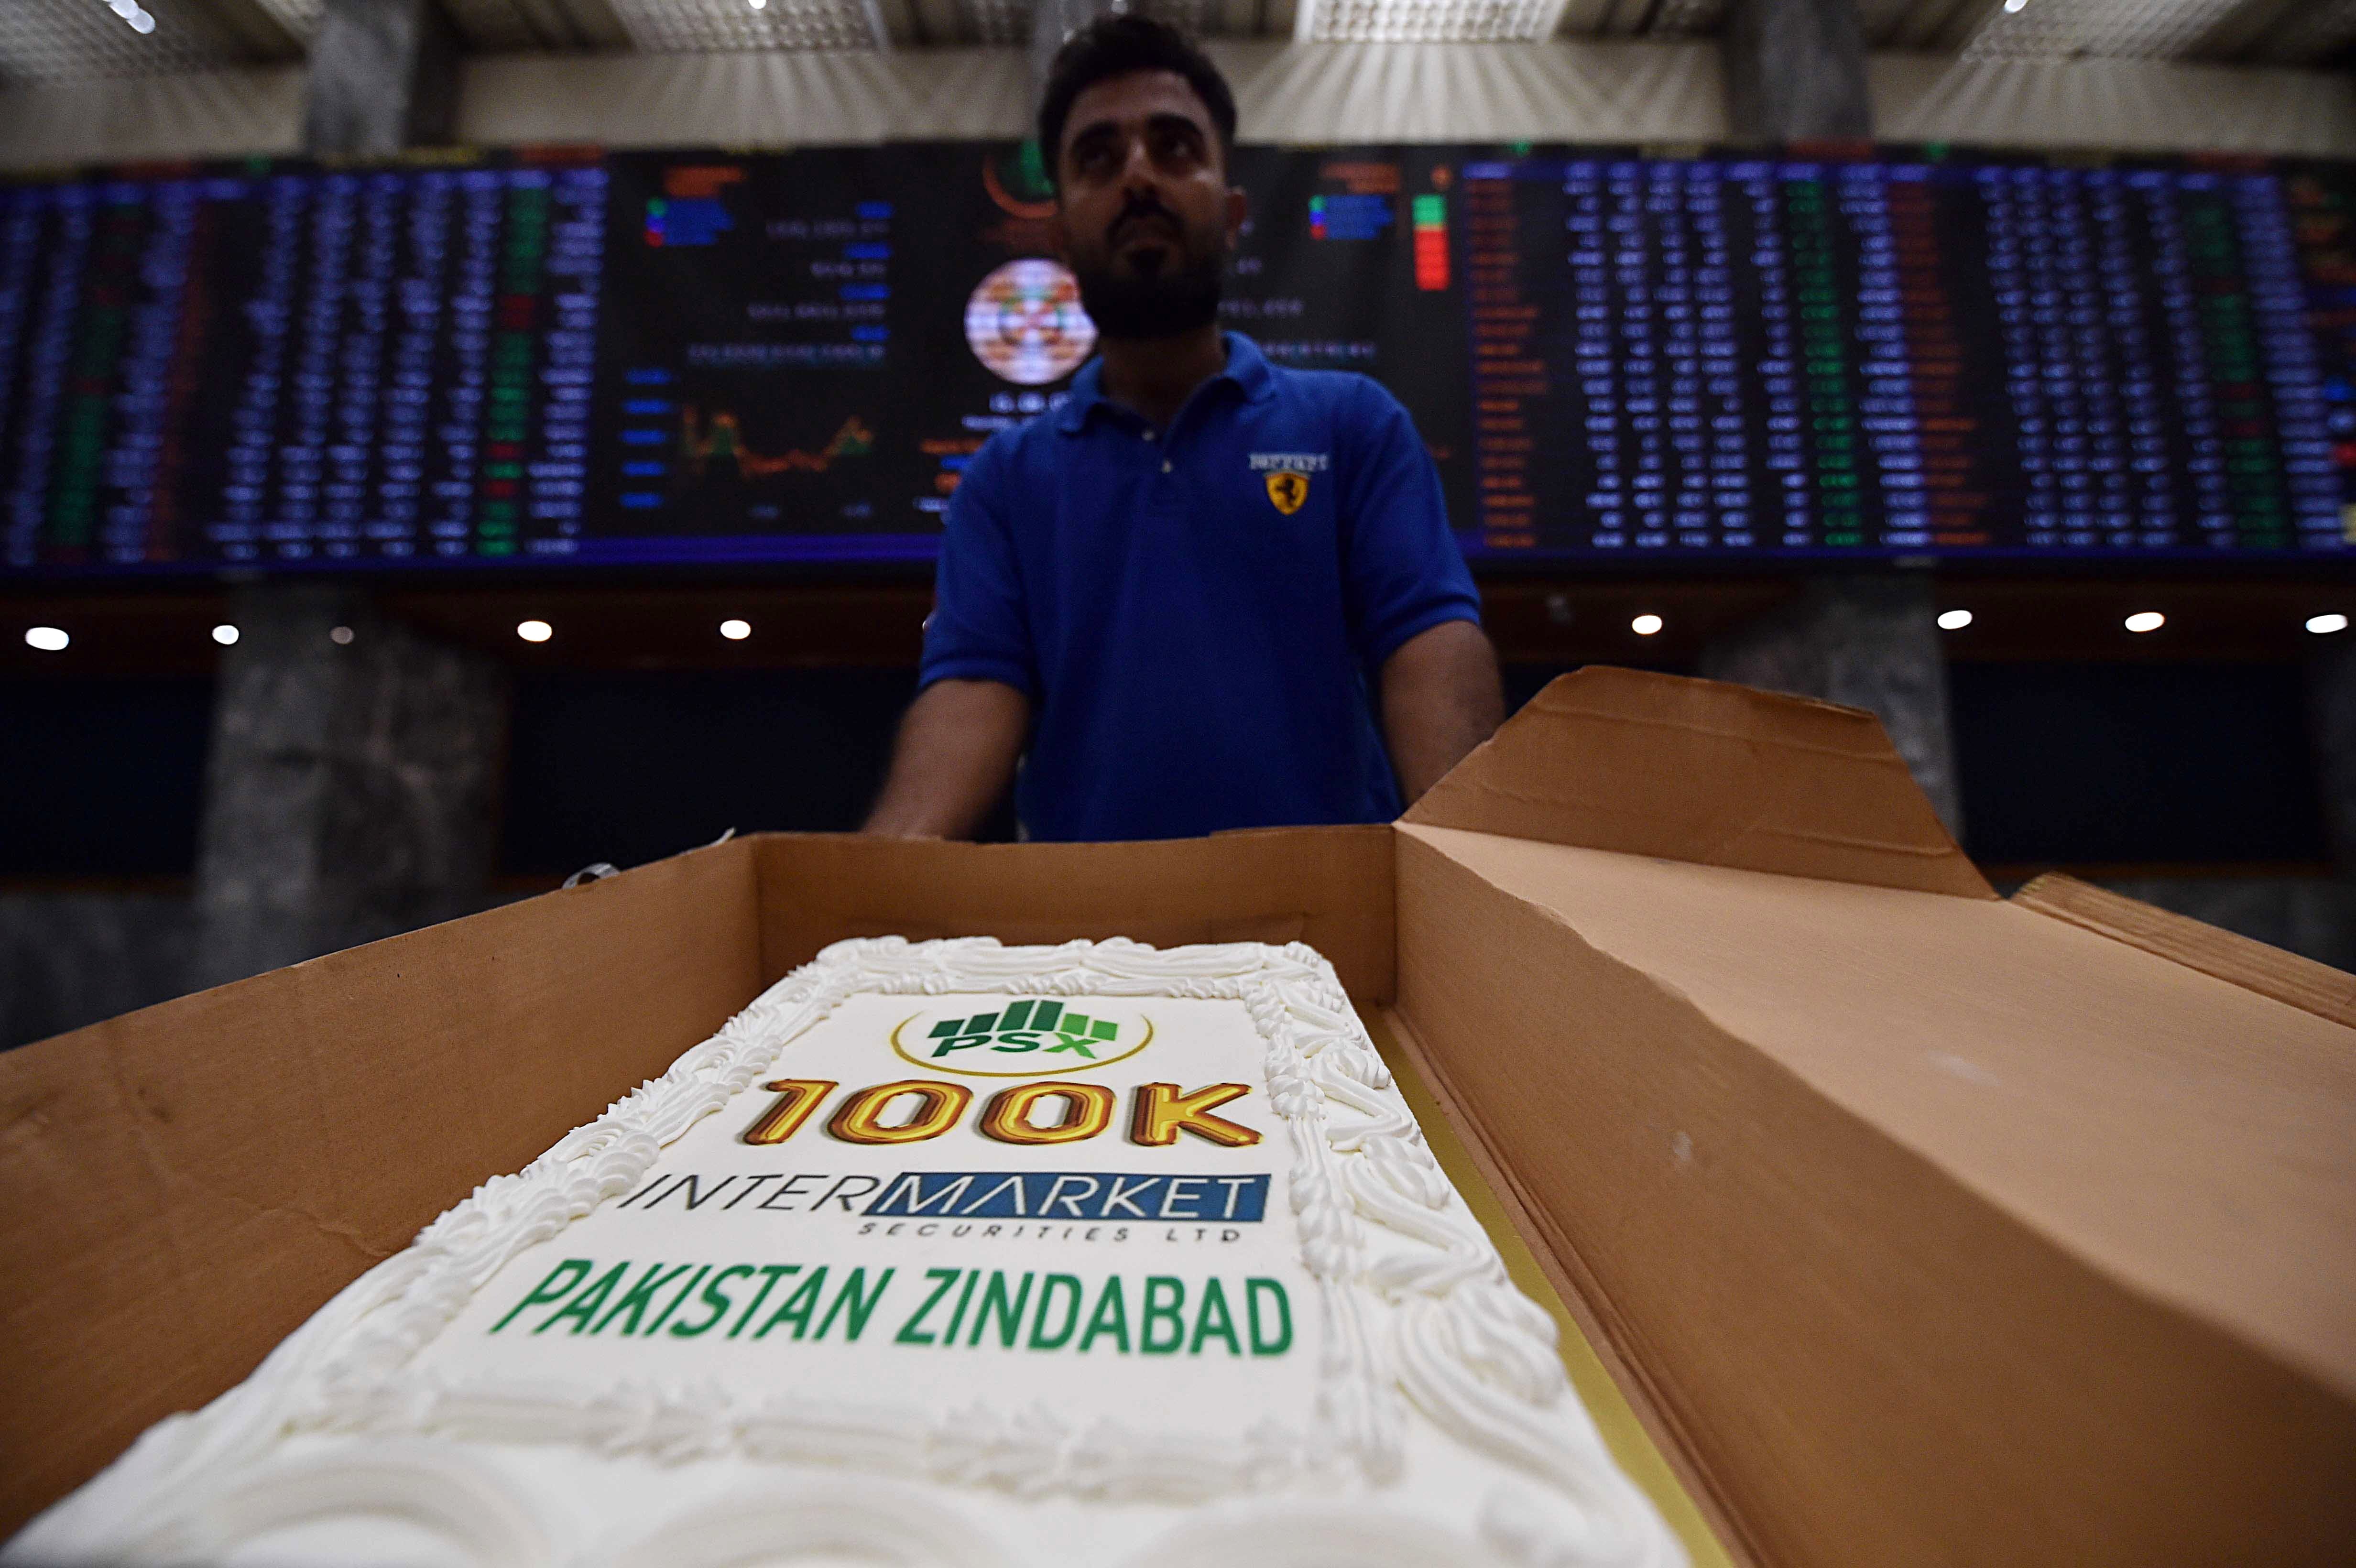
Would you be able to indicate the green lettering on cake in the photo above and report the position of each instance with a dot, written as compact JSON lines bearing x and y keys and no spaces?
{"x":684,"y":1291}
{"x":1210,"y":1327}
{"x":1111,"y":1316}
{"x":948,"y":1335}
{"x":586,"y":1304}
{"x":770,"y":1274}
{"x":861,"y":1308}
{"x":908,"y":1334}
{"x":638,"y":1297}
{"x":995,"y":1303}
{"x":1281,"y":1342}
{"x":716,"y":1297}
{"x":571,"y":1272}
{"x":797,"y":1308}
{"x":1070,"y":1285}
{"x":1166,"y":1302}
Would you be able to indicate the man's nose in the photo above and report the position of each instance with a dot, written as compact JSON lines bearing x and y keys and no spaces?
{"x":1136,"y":171}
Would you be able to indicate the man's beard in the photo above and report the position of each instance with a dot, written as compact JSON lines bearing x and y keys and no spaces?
{"x":1178,"y":299}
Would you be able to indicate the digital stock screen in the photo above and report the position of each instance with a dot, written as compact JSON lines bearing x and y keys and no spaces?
{"x":694,"y":357}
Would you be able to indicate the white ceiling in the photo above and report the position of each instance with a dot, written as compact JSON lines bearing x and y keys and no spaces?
{"x":49,"y":40}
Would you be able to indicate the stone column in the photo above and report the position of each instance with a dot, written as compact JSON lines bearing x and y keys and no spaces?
{"x":352,"y":785}
{"x":384,"y":76}
{"x":1052,"y":21}
{"x":1796,"y":71}
{"x":352,"y":789}
{"x":1868,"y":640}
{"x":2332,"y":708}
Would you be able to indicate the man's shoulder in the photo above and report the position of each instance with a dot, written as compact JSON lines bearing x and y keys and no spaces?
{"x":1012,"y":448}
{"x":1347,"y":399}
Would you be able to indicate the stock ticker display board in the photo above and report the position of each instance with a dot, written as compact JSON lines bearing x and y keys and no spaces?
{"x":569,"y":357}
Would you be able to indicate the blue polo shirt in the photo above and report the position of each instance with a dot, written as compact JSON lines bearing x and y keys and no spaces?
{"x":1198,"y":616}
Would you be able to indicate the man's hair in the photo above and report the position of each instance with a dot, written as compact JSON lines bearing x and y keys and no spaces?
{"x":1118,"y":46}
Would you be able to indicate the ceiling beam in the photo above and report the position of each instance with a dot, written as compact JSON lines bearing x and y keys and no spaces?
{"x":577,"y":24}
{"x":1796,"y":71}
{"x":2243,"y":33}
{"x":254,"y":27}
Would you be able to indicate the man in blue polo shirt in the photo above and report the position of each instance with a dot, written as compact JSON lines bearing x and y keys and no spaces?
{"x":1205,"y":592}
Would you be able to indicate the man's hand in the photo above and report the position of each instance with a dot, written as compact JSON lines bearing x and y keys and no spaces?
{"x":954,"y":759}
{"x":1441,"y":697}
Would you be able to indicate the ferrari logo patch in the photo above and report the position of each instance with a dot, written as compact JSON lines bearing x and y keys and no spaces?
{"x":1287,"y":491}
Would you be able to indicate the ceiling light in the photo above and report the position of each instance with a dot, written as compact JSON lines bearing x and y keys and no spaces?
{"x":225,"y":635}
{"x":1646,"y":625}
{"x":48,"y":639}
{"x":735,"y":631}
{"x":2324,"y":625}
{"x":2015,"y":4}
{"x":341,"y":636}
{"x":1953,"y":620}
{"x":757,"y":4}
{"x":534,"y":631}
{"x":2145,"y":621}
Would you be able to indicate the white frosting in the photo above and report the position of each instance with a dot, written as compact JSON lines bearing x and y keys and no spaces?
{"x":1437,"y":1390}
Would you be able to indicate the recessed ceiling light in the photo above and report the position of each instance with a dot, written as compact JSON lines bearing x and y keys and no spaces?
{"x":2145,"y":621}
{"x":534,"y":631}
{"x":1953,"y":620}
{"x":2324,"y":625}
{"x":735,"y":631}
{"x":2016,"y":4}
{"x":1646,"y":625}
{"x":225,"y":635}
{"x":341,"y":636}
{"x":48,"y":639}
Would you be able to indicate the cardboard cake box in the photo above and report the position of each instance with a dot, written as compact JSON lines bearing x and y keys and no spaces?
{"x":1915,"y":1225}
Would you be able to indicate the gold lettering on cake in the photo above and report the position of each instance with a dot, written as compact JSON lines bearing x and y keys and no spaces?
{"x":1008,"y":1116}
{"x":861,"y":1118}
{"x":1162,"y":1112}
{"x":796,"y":1098}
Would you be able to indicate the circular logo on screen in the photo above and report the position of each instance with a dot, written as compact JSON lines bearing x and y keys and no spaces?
{"x":1025,"y":323}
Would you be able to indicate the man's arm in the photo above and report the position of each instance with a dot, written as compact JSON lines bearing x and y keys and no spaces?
{"x":954,"y":759}
{"x":1441,"y":697}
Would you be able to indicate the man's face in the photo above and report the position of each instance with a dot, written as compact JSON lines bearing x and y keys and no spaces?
{"x":1144,"y":216}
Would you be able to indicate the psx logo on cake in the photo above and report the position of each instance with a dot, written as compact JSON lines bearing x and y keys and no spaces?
{"x":1025,"y":1038}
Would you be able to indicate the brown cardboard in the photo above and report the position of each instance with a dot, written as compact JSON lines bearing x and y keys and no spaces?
{"x":2302,"y":983}
{"x":1330,"y":887}
{"x":1693,"y":770}
{"x":1927,"y":1258}
{"x":1919,"y":1226}
{"x":186,"y":1184}
{"x":1594,"y":1372}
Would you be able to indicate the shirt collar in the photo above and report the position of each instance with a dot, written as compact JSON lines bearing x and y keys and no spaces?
{"x":1246,"y":367}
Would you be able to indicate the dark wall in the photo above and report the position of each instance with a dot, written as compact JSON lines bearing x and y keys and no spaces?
{"x":101,"y":778}
{"x":2143,"y":763}
{"x":629,"y":768}
{"x":2061,"y":763}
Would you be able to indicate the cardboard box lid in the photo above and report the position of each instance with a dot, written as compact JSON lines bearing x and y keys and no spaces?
{"x":1695,"y":770}
{"x":2186,"y":1134}
{"x":1931,"y":1226}
{"x":2175,"y":1102}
